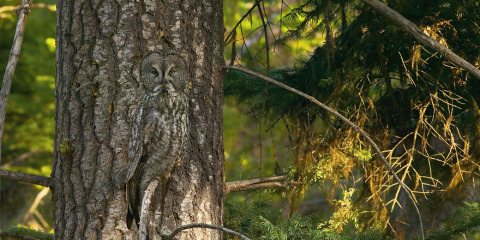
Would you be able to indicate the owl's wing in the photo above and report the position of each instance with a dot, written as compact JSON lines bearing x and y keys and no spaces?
{"x":135,"y":155}
{"x":132,"y":194}
{"x":135,"y":145}
{"x":135,"y":169}
{"x":135,"y":172}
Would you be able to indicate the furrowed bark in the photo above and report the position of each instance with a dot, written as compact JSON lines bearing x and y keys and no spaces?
{"x":100,"y":45}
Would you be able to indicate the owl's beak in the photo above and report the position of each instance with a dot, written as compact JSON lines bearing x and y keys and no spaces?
{"x":162,"y":89}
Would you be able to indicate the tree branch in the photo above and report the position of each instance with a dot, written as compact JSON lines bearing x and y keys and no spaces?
{"x":344,"y":119}
{"x":12,"y":63}
{"x":202,"y":225}
{"x":418,"y":34}
{"x":21,"y":158}
{"x":228,"y":38}
{"x":267,"y":182}
{"x":28,"y":178}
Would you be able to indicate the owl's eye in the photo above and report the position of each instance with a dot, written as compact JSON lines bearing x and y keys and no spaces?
{"x":154,"y":72}
{"x":172,"y":72}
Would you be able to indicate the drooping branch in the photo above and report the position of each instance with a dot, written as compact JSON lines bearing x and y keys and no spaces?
{"x":12,"y":63}
{"x":251,"y":184}
{"x":28,"y":178}
{"x":344,"y":119}
{"x":201,"y":225}
{"x":418,"y":34}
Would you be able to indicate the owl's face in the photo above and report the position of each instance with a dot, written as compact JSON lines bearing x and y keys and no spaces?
{"x":164,"y":73}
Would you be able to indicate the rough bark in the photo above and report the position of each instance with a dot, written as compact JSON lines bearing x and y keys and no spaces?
{"x":99,"y":48}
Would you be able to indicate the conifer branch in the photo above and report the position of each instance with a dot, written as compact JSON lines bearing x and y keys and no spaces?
{"x":201,"y":225}
{"x":344,"y":119}
{"x":251,"y":184}
{"x":418,"y":34}
{"x":24,"y":177}
{"x":17,"y":236}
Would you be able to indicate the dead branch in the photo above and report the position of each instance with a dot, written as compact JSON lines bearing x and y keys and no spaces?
{"x":12,"y":63}
{"x":202,"y":225}
{"x":28,"y":178}
{"x":34,"y":206}
{"x":418,"y":34}
{"x":21,"y":158}
{"x":251,"y":184}
{"x":344,"y":119}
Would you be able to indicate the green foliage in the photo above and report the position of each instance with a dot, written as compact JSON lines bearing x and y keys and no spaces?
{"x":345,"y":213}
{"x":259,"y":220}
{"x":465,"y":221}
{"x":20,"y":232}
{"x":295,"y":228}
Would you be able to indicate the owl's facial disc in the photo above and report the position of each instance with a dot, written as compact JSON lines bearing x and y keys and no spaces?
{"x":163,"y":75}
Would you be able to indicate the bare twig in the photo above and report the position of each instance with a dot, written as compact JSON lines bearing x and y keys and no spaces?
{"x":28,"y":178}
{"x":418,"y":34}
{"x":251,"y":184}
{"x":344,"y":119}
{"x":229,"y":36}
{"x":267,"y":47}
{"x":202,"y":225}
{"x":12,"y":63}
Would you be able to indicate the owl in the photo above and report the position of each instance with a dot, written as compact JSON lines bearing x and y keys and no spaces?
{"x":163,"y":124}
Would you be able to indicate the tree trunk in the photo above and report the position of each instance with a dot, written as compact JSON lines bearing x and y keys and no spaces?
{"x":100,"y":45}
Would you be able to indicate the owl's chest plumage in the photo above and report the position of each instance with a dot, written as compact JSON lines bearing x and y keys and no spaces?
{"x":165,"y":131}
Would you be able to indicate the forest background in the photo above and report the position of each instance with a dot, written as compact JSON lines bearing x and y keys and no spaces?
{"x":419,"y":108}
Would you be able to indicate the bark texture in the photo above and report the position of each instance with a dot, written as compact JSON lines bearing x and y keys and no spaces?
{"x":100,"y":45}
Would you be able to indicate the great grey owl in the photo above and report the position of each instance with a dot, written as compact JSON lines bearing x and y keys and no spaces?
{"x":163,"y":124}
